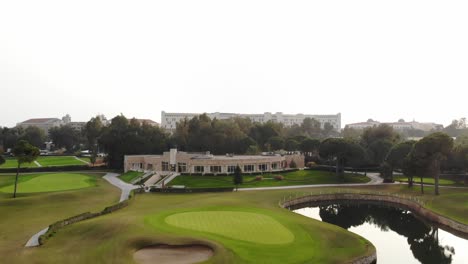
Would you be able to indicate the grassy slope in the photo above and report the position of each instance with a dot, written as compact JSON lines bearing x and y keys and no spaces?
{"x":48,"y":182}
{"x":301,"y":177}
{"x":130,"y":175}
{"x":58,"y":161}
{"x":24,"y":216}
{"x":113,"y":238}
{"x":447,"y":182}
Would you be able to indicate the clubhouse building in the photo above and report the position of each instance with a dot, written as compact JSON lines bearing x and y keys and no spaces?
{"x":206,"y":163}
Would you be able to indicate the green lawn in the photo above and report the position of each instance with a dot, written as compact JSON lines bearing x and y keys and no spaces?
{"x":12,"y":163}
{"x":129,"y":176}
{"x":250,"y":227}
{"x":241,"y":227}
{"x":28,"y":213}
{"x":46,"y":161}
{"x":49,"y":182}
{"x":426,"y":180}
{"x":87,"y":159}
{"x":300,"y":177}
{"x":265,"y":232}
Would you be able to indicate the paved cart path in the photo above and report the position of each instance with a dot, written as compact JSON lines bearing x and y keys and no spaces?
{"x":112,"y":178}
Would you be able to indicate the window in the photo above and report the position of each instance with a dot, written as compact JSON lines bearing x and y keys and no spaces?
{"x":262,"y":167}
{"x":165,"y":166}
{"x":199,"y":169}
{"x":182,"y":167}
{"x":231,"y":169}
{"x":215,"y":169}
{"x":274,"y":166}
{"x":249,"y":168}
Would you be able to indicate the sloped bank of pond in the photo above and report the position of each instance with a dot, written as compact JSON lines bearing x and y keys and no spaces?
{"x":398,"y":235}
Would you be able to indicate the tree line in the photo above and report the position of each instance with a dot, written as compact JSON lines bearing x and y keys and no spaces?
{"x":379,"y":146}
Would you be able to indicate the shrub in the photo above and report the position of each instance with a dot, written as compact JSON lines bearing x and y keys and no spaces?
{"x":258,"y":178}
{"x":292,"y":164}
{"x":279,"y":177}
{"x":311,"y":164}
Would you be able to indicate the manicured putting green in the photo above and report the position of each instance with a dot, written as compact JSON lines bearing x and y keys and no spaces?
{"x":50,"y":183}
{"x":251,"y":227}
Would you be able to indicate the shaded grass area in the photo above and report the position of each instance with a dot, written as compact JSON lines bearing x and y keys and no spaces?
{"x":129,"y":176}
{"x":300,"y":177}
{"x":13,"y":163}
{"x":28,"y":213}
{"x":442,"y":181}
{"x":47,"y":182}
{"x":46,"y":161}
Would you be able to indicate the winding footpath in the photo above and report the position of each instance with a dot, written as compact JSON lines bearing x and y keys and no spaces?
{"x":112,"y":178}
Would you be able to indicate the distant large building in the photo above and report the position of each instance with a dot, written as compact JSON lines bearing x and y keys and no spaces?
{"x":43,"y":123}
{"x":205,"y":163}
{"x":400,"y":125}
{"x":169,"y":120}
{"x":47,"y":123}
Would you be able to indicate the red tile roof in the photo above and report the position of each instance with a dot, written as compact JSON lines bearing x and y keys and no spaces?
{"x":40,"y":120}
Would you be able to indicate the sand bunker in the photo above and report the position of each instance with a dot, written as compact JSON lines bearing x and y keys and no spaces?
{"x":173,"y":254}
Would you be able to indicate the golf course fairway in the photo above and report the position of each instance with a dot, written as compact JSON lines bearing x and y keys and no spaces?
{"x":50,"y":182}
{"x":251,"y":227}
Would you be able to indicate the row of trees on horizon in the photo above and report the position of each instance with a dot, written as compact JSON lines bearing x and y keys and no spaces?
{"x":379,"y":146}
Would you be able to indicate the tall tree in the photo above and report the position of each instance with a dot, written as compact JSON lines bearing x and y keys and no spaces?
{"x":396,"y":157}
{"x":275,"y":143}
{"x":2,"y":159}
{"x":92,"y":132}
{"x":123,"y":137}
{"x":34,"y":135}
{"x":238,"y":178}
{"x":433,"y":149}
{"x":377,"y":141}
{"x":65,"y":137}
{"x":24,"y":153}
{"x":342,"y":151}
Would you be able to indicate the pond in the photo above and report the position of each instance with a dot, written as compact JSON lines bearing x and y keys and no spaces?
{"x":398,"y":235}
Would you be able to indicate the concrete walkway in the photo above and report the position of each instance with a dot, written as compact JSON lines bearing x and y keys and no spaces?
{"x":34,"y":240}
{"x":154,"y":179}
{"x":126,"y":188}
{"x":37,"y":163}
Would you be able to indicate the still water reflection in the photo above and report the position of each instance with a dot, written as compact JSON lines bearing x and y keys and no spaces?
{"x":397,"y":234}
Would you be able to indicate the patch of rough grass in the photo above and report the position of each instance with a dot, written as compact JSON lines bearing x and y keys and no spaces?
{"x":245,"y":226}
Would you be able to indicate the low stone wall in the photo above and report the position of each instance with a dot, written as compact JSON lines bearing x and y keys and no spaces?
{"x":413,"y":206}
{"x":370,"y":259}
{"x":53,"y":228}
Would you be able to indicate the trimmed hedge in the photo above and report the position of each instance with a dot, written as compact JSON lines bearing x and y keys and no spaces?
{"x":244,"y":173}
{"x":191,"y":190}
{"x":333,"y":168}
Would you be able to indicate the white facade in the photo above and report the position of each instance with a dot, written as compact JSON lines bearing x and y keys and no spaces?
{"x":169,"y":120}
{"x":400,"y":125}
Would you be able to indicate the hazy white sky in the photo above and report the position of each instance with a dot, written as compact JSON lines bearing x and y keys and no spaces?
{"x":366,"y":59}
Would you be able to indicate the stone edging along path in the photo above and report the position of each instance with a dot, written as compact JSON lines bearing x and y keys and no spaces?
{"x":413,"y":206}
